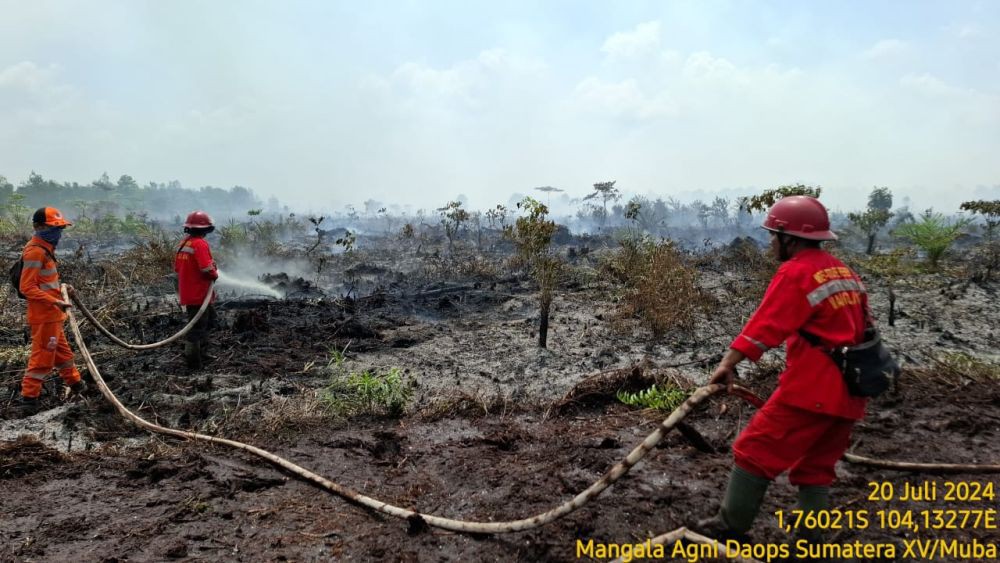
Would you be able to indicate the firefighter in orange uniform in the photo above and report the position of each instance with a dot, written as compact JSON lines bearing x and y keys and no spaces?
{"x":196,"y":271}
{"x":805,"y":426}
{"x":46,"y":310}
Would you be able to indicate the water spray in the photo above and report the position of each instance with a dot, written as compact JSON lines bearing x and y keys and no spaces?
{"x":247,"y":285}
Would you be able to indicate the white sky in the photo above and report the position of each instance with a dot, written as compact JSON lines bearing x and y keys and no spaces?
{"x":328,"y":103}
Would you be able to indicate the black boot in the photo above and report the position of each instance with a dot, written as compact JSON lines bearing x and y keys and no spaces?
{"x":28,"y":406}
{"x":78,"y":388}
{"x":744,"y":495}
{"x":192,"y":355}
{"x":206,"y":358}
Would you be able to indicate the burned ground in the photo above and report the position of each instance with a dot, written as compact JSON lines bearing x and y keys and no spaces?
{"x":497,"y":428}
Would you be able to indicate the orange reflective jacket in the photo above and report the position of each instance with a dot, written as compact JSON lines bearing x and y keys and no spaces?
{"x":40,"y":282}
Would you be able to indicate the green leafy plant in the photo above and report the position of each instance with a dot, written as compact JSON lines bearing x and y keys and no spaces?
{"x":15,"y":217}
{"x":892,"y":268}
{"x":665,"y":398}
{"x":336,"y":361}
{"x":532,"y":234}
{"x":933,"y":234}
{"x":233,"y":234}
{"x":367,"y":392}
{"x":452,"y":217}
{"x":990,"y":210}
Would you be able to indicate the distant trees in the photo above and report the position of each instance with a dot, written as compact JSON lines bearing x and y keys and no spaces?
{"x":719,"y":211}
{"x":767,"y":198}
{"x":452,"y":218}
{"x":876,"y":217}
{"x":124,"y":196}
{"x":604,"y":191}
{"x":6,"y":190}
{"x":497,"y":217}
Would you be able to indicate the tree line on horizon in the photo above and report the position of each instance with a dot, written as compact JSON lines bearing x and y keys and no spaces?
{"x":126,"y":197}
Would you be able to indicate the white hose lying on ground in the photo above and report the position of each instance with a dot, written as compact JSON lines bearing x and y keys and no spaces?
{"x":187,"y":328}
{"x":417,"y":519}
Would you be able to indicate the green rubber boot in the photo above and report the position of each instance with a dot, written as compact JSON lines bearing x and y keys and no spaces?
{"x":812,"y":498}
{"x":740,"y":506}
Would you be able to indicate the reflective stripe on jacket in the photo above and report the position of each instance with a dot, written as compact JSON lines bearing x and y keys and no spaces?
{"x":195,"y":270}
{"x":40,"y":282}
{"x":817,"y":293}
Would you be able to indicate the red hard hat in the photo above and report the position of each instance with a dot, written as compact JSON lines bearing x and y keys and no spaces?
{"x":801,"y":216}
{"x":198,"y":220}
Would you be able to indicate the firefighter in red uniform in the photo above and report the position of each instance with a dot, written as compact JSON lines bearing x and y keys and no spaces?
{"x":805,"y":426}
{"x":196,"y":271}
{"x":46,"y":310}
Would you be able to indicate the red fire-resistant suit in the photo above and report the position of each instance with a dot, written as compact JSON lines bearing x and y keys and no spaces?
{"x":40,"y":285}
{"x":806,"y":424}
{"x":195,"y":270}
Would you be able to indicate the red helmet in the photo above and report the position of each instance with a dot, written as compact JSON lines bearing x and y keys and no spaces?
{"x":198,"y":220}
{"x":801,"y":216}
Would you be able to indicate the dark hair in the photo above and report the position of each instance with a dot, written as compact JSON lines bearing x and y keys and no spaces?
{"x":806,"y":242}
{"x":198,"y":231}
{"x":39,"y":217}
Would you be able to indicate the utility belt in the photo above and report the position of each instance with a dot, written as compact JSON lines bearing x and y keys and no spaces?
{"x":868,"y":368}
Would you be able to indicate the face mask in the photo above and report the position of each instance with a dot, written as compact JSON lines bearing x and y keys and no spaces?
{"x":50,"y":235}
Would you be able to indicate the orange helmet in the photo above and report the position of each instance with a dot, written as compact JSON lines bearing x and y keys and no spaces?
{"x":198,"y":220}
{"x":801,"y":216}
{"x":49,"y":216}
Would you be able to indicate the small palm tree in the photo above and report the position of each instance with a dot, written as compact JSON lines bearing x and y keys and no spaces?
{"x":933,"y":234}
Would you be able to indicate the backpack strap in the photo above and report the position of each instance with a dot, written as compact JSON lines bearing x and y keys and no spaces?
{"x":183,"y":243}
{"x":52,"y":256}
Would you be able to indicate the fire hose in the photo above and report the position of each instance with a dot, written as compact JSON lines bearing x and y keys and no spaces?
{"x":418,"y":520}
{"x":187,"y":328}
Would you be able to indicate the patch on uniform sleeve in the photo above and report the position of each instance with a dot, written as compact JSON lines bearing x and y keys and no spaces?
{"x":850,"y":286}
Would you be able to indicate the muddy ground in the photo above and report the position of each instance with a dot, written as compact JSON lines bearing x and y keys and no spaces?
{"x":481,"y":439}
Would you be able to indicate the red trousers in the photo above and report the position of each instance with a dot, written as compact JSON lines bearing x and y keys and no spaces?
{"x":780,"y":437}
{"x":43,"y":360}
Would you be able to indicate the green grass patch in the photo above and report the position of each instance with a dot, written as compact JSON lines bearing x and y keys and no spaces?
{"x":966,"y":365}
{"x":368,"y":393}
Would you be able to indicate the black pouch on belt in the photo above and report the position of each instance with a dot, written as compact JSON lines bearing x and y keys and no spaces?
{"x":868,"y":368}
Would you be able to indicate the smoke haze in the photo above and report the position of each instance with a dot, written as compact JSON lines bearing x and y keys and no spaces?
{"x":324,"y":104}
